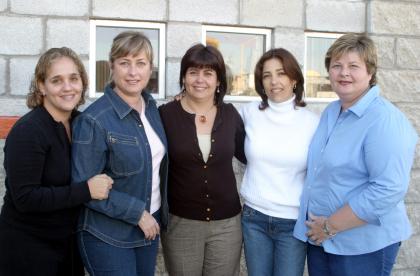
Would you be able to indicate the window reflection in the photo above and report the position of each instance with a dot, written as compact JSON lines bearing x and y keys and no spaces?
{"x":241,"y":53}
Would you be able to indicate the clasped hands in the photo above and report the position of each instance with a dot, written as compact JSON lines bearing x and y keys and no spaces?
{"x":316,"y":231}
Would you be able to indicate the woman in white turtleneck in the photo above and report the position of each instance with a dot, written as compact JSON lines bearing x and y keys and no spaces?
{"x":278,"y":132}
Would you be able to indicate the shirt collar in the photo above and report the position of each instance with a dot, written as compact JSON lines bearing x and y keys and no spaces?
{"x":119,"y":105}
{"x":360,"y":107}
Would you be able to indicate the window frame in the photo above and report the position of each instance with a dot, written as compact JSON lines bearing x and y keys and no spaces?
{"x":239,"y":30}
{"x":161,"y":27}
{"x":317,"y":35}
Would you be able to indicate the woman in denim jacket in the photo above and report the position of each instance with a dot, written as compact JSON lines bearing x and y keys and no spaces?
{"x":121,"y":134}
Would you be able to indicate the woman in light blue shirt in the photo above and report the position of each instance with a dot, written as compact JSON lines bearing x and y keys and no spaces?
{"x":352,"y":209}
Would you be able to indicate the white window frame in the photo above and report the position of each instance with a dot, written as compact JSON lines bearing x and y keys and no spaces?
{"x":320,"y":35}
{"x":161,"y":27}
{"x":239,"y":30}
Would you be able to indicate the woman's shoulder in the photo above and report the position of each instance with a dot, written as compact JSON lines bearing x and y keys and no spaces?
{"x":309,"y":114}
{"x":169,"y":107}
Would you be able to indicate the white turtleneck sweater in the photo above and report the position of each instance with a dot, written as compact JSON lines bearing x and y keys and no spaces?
{"x":276,"y":147}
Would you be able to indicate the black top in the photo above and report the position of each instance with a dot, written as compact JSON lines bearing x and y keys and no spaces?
{"x":39,"y":196}
{"x":199,"y":190}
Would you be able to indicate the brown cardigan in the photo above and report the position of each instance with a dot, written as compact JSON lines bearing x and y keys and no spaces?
{"x":199,"y":190}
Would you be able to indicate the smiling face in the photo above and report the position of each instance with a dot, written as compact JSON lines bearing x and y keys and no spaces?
{"x":349,"y":77}
{"x":201,"y":83}
{"x":62,"y":88}
{"x":131,"y":74}
{"x":277,"y":85}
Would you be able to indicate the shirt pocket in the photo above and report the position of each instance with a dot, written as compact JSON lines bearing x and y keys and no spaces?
{"x":126,"y":154}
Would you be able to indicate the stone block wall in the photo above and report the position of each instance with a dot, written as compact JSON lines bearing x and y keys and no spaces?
{"x":29,"y":27}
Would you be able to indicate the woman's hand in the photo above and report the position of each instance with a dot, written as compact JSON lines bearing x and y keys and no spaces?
{"x":149,"y":226}
{"x":316,"y":231}
{"x":99,"y":186}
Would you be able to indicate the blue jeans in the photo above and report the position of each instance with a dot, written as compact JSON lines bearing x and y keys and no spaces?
{"x":270,"y":248}
{"x":378,"y":263}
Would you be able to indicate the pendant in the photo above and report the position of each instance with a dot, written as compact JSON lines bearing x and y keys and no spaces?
{"x":202,"y":119}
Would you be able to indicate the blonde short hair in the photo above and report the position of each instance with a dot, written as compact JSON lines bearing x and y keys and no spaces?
{"x":359,"y":43}
{"x":35,"y":98}
{"x":130,"y":43}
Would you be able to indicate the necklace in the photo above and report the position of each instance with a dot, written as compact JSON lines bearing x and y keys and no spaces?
{"x":202,"y":118}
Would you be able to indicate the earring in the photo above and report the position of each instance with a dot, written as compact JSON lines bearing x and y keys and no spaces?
{"x":217,"y":89}
{"x":263,"y":91}
{"x":294,"y":87}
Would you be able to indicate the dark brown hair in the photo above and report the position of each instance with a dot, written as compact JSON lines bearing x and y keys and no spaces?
{"x":200,"y":56}
{"x":35,"y":98}
{"x":291,"y":69}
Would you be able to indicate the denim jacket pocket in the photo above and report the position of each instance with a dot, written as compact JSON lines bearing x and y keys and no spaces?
{"x":126,"y":154}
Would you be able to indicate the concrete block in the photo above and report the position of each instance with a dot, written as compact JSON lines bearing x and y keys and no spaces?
{"x":292,"y":40}
{"x":3,"y":81}
{"x":70,"y":33}
{"x":408,"y":53}
{"x":272,"y":13}
{"x":394,"y":17}
{"x":13,"y":107}
{"x":23,"y":35}
{"x":409,"y":253}
{"x":400,"y":85}
{"x":216,"y":11}
{"x":335,"y":16}
{"x":155,"y":10}
{"x":412,"y":111}
{"x":51,"y":7}
{"x":180,"y":37}
{"x":21,"y":73}
{"x":386,"y":51}
{"x":413,"y":210}
{"x":404,"y":272}
{"x":413,"y":194}
{"x":172,"y":77}
{"x":3,"y":5}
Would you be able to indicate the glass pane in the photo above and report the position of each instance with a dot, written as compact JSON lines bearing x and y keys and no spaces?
{"x":316,"y":76}
{"x":241,"y":52}
{"x":104,"y":37}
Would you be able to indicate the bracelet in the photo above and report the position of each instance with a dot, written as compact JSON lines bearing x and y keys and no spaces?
{"x":327,"y":229}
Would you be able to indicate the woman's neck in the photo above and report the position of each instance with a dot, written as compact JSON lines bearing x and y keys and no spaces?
{"x":197,"y":106}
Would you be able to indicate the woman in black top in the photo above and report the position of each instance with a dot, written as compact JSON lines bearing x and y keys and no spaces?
{"x":40,"y":207}
{"x":204,"y":232}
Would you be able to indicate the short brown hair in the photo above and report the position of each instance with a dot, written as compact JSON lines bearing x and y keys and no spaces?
{"x":359,"y":43}
{"x":35,"y":98}
{"x":291,"y":69}
{"x":200,"y":56}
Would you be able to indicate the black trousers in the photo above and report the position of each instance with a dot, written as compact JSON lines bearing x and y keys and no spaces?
{"x":24,"y":254}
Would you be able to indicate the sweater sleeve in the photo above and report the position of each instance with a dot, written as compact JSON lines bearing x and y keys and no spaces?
{"x":25,"y":154}
{"x":239,"y":136}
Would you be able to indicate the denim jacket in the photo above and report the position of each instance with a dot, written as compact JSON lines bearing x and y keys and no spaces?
{"x":109,"y":137}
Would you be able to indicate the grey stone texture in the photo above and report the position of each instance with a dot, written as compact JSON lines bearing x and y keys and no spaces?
{"x":272,"y":13}
{"x":21,"y":72}
{"x":385,"y":47}
{"x":180,"y":37}
{"x":413,"y":194}
{"x":22,"y":36}
{"x":58,"y":34}
{"x":172,"y":77}
{"x":394,"y":17}
{"x":2,"y":76}
{"x":292,"y":40}
{"x":12,"y":107}
{"x":400,"y":85}
{"x":155,"y":10}
{"x":336,"y":16}
{"x":203,"y":11}
{"x":51,"y":7}
{"x":409,"y":255}
{"x":3,"y":5}
{"x":408,"y":53}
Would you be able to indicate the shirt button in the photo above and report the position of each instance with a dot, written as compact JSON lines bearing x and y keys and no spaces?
{"x":207,"y":196}
{"x":205,"y":181}
{"x":212,"y":140}
{"x":210,"y":155}
{"x":208,"y":209}
{"x":199,"y":154}
{"x":207,"y":218}
{"x":140,"y":125}
{"x":205,"y":166}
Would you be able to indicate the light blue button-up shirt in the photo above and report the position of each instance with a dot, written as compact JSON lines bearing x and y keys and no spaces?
{"x":361,"y":157}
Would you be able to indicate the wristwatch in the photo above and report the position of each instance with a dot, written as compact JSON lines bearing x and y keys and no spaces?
{"x":327,"y":229}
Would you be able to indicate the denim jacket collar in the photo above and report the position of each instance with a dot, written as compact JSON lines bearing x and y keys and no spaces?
{"x":119,"y":105}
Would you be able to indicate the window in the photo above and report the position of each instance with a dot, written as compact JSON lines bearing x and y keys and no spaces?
{"x":102,"y":32}
{"x":316,"y":76}
{"x":241,"y":48}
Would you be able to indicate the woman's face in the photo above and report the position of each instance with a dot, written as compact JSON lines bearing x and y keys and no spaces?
{"x":201,"y":83}
{"x":63,"y":86}
{"x":131,"y":74}
{"x":277,"y":85}
{"x":349,"y":77}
